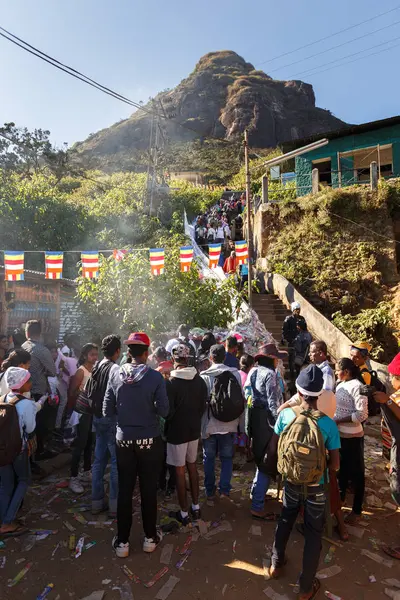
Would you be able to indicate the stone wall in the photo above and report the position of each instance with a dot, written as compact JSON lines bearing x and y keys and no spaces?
{"x":320,"y":327}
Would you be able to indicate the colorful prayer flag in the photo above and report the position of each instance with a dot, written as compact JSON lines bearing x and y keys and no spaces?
{"x":14,"y":265}
{"x":90,"y":264}
{"x":186,"y":257}
{"x":157,"y":261}
{"x":242,"y":253}
{"x":214,"y":252}
{"x":119,"y":254}
{"x":54,"y":264}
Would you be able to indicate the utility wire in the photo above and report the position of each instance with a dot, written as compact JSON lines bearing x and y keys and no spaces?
{"x":78,"y":75}
{"x":335,"y":47}
{"x":348,"y":56}
{"x":356,"y":59}
{"x":327,"y":37}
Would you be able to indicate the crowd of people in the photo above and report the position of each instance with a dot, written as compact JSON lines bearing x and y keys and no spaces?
{"x":148,"y":411}
{"x":223,"y":223}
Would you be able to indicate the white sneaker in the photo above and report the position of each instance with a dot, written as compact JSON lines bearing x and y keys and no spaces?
{"x":150,"y":544}
{"x":121,"y":550}
{"x":86,"y":476}
{"x":76,"y":486}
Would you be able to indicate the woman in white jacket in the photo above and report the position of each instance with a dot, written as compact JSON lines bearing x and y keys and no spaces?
{"x":351,"y":412}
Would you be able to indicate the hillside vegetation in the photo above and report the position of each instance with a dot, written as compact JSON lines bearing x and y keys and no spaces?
{"x":337,"y":248}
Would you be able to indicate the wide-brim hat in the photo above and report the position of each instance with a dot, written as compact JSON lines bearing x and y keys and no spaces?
{"x":359,"y":345}
{"x":271,"y":351}
{"x":138,"y":338}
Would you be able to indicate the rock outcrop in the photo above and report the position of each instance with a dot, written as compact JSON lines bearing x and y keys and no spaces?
{"x":222,"y":97}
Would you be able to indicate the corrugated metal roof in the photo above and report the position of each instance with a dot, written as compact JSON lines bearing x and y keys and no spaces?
{"x":71,"y":282}
{"x":342,"y":132}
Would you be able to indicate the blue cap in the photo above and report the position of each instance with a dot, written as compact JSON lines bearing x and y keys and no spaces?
{"x":310,"y":382}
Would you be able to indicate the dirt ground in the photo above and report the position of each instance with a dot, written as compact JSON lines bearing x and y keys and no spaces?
{"x":227,"y":564}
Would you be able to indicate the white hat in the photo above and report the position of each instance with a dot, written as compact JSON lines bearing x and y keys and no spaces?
{"x":295,"y":306}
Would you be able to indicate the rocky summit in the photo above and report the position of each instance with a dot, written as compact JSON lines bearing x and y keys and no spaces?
{"x":222,"y":97}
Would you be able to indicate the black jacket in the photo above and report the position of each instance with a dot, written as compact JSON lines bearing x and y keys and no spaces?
{"x":289,"y":328}
{"x":100,"y":376}
{"x":187,"y":395}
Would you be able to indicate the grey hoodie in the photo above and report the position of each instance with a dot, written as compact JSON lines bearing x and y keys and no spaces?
{"x":210,"y":425}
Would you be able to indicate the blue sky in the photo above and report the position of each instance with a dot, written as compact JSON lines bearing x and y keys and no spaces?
{"x":140,"y":48}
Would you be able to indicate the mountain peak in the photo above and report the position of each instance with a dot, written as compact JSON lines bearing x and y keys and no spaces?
{"x":223,"y":96}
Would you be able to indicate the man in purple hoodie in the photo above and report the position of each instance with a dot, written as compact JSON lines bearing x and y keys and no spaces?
{"x":137,"y":395}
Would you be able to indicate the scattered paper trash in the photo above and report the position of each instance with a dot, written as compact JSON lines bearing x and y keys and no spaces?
{"x":329,"y":572}
{"x":182,"y":561}
{"x":224,"y":589}
{"x":166,"y":554}
{"x":270,"y":593}
{"x":70,"y":527}
{"x":3,"y":562}
{"x":390,"y":506}
{"x":106,"y":582}
{"x":377,"y":558}
{"x":125,"y":591}
{"x":28,"y":543}
{"x":45,"y":592}
{"x":392,"y":582}
{"x":255,"y":530}
{"x":224,"y":526}
{"x":330,"y":554}
{"x":79,"y":547}
{"x":372,"y":578}
{"x":392,"y":594}
{"x":202,"y":527}
{"x":167,"y":588}
{"x":156,"y":577}
{"x":332,"y":596}
{"x":20,"y":560}
{"x":20,"y":575}
{"x":130,"y":575}
{"x":95,"y":596}
{"x":356,"y":531}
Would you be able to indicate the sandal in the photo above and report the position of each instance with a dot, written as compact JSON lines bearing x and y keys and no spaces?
{"x":316,"y":586}
{"x":264,"y":517}
{"x":20,"y":530}
{"x":344,"y":535}
{"x":393,"y":551}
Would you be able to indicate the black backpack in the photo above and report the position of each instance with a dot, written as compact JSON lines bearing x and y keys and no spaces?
{"x":10,"y":433}
{"x":226,"y":399}
{"x":376,"y":385}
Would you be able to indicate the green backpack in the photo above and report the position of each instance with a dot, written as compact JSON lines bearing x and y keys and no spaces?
{"x":301,"y":449}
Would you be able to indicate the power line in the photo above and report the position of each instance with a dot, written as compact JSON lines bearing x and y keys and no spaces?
{"x":327,"y":37}
{"x":335,"y":47}
{"x":78,"y":75}
{"x":348,"y":56}
{"x":348,"y":62}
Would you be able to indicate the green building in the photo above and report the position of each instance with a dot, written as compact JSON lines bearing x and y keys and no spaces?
{"x":346,"y":159}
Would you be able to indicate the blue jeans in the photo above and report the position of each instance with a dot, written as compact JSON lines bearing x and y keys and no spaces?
{"x":14,"y":482}
{"x":314,"y":518}
{"x":105,"y":428}
{"x":259,"y":489}
{"x":221,"y":444}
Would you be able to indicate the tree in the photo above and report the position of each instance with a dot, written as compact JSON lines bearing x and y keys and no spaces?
{"x":126,"y":297}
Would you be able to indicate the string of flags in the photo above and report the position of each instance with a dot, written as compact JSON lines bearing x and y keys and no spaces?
{"x":14,"y":261}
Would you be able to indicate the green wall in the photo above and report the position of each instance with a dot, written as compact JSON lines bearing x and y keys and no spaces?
{"x":386,"y":135}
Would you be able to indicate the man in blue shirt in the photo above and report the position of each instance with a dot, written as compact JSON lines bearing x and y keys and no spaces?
{"x":231,"y":346}
{"x":313,"y":499}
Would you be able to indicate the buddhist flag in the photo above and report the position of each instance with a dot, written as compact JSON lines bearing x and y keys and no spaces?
{"x":119,"y":254}
{"x":157,"y":261}
{"x":54,"y":264}
{"x":242,"y":253}
{"x":214,"y":252}
{"x":14,"y":266}
{"x":186,"y":257}
{"x":90,"y":264}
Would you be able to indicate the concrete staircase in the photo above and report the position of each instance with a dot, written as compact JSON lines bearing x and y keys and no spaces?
{"x":271,"y":312}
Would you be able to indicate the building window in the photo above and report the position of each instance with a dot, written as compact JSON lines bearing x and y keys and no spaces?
{"x":324,"y":171}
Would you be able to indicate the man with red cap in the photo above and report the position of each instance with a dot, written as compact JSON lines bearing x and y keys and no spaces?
{"x":137,"y":395}
{"x":390,"y":406}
